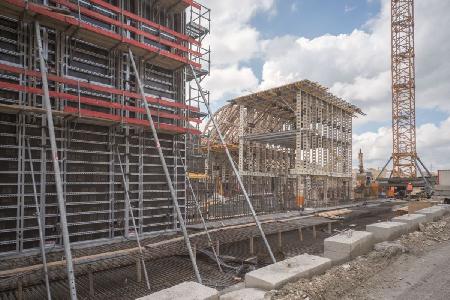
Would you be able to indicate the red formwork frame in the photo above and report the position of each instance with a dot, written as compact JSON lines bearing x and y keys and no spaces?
{"x":98,"y":103}
{"x":69,"y":20}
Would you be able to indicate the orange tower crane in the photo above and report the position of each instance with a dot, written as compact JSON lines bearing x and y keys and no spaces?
{"x":404,"y":153}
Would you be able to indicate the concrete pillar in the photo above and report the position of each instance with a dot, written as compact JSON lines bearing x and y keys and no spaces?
{"x":300,"y":234}
{"x":19,"y":289}
{"x":242,"y":123}
{"x":138,"y":270}
{"x":314,"y":232}
{"x":218,"y":247}
{"x":280,"y":241}
{"x":194,"y":251}
{"x":91,"y":283}
{"x":252,"y":246}
{"x":329,"y":228}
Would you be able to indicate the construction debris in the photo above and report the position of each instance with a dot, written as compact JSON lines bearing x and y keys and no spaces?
{"x":342,"y":279}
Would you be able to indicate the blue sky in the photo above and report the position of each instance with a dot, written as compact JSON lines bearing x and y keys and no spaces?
{"x":313,"y":18}
{"x":344,"y":45}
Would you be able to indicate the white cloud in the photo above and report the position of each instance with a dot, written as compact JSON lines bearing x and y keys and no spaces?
{"x":433,"y":145}
{"x":226,"y":83}
{"x":233,"y":41}
{"x":349,"y":8}
{"x":356,"y":66}
{"x":294,"y":7}
{"x":232,"y":37}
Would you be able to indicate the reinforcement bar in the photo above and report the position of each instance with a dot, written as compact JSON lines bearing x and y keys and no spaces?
{"x":166,"y":171}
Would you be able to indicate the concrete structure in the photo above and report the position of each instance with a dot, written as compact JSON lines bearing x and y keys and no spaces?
{"x":412,"y":220}
{"x":347,"y":245}
{"x":386,"y":231}
{"x":98,"y":115}
{"x":186,"y":291}
{"x":432,"y":213}
{"x":244,"y":294}
{"x":275,"y":275}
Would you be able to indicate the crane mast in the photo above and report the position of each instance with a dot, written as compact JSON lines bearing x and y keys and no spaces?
{"x":404,"y":153}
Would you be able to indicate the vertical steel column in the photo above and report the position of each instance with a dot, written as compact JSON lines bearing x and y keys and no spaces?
{"x":38,"y":217}
{"x":59,"y":192}
{"x":233,"y":166}
{"x":127,"y":198}
{"x":166,"y":170}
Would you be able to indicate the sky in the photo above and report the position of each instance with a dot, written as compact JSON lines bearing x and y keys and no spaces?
{"x":344,"y":45}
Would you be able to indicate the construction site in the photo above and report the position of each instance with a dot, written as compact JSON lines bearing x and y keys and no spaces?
{"x":119,"y":181}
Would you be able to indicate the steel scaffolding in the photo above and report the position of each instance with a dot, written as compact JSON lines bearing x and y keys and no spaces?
{"x":105,"y":71}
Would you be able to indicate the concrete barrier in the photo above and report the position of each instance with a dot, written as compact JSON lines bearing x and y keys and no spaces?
{"x":348,"y":245}
{"x":275,"y":275}
{"x":412,"y":220}
{"x":432,"y":213}
{"x":244,"y":294}
{"x":387,"y":231}
{"x":187,"y":291}
{"x":445,"y":206}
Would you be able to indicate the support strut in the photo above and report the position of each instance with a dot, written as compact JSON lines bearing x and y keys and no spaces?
{"x":197,"y":205}
{"x":233,"y":166}
{"x":166,"y":170}
{"x":59,"y":190}
{"x":41,"y":229}
{"x":127,"y":197}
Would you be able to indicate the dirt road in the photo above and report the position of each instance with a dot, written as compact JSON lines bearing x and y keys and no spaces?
{"x":411,"y":277}
{"x":415,"y":267}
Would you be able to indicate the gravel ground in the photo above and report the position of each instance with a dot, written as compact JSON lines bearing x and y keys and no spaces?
{"x":417,"y":266}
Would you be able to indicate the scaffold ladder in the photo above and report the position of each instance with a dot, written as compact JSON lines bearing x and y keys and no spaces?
{"x":199,"y":210}
{"x":54,"y":149}
{"x":38,"y":217}
{"x":166,"y":170}
{"x":233,"y":166}
{"x":133,"y":220}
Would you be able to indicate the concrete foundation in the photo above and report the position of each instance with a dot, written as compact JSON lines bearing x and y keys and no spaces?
{"x":186,"y":291}
{"x":386,"y":231}
{"x":348,"y":245}
{"x":432,"y":213}
{"x":244,"y":294}
{"x":275,"y":275}
{"x":412,"y":220}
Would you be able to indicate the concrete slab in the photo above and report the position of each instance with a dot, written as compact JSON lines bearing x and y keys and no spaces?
{"x":432,"y":213}
{"x":413,"y":220}
{"x":244,"y":294}
{"x":275,"y":275}
{"x":445,"y":206}
{"x":387,"y":231}
{"x":187,"y":291}
{"x":348,"y":245}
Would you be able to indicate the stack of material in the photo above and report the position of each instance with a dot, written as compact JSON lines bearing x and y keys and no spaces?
{"x":334,"y":214}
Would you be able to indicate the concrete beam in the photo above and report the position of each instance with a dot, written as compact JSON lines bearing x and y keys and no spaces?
{"x":187,"y":291}
{"x":412,"y":220}
{"x":276,"y":275}
{"x":347,"y":245}
{"x":432,"y":213}
{"x":386,"y":231}
{"x":244,"y":294}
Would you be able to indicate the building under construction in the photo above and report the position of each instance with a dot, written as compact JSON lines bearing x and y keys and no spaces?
{"x":99,"y":118}
{"x":293,"y":147}
{"x":100,"y":113}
